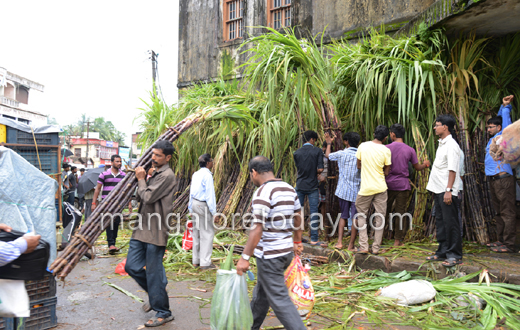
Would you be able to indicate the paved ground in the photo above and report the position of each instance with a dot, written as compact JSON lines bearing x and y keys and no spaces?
{"x":85,"y":303}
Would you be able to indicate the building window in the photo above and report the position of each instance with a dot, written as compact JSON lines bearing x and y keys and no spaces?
{"x":279,"y":13}
{"x":234,"y":19}
{"x":77,"y":152}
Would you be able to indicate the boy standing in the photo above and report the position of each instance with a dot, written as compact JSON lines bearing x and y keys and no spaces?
{"x":348,"y":182}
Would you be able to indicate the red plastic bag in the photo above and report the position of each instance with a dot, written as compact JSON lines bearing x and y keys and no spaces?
{"x":120,"y":268}
{"x":187,"y":239}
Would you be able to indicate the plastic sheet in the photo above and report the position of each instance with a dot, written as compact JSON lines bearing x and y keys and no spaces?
{"x":230,"y":308}
{"x":26,"y":128}
{"x":410,"y":292}
{"x":27,"y":198}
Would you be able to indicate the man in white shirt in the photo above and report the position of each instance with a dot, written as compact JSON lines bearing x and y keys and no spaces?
{"x":445,"y":184}
{"x":203,"y":207}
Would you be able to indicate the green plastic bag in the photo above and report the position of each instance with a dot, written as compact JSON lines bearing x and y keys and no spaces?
{"x":230,"y":307}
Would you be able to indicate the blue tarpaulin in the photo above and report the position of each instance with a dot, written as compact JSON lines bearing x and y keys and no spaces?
{"x":27,"y":198}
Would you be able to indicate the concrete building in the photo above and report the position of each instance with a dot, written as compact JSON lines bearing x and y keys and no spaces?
{"x":99,"y":151}
{"x":211,"y":31}
{"x":14,"y":99}
{"x":136,"y":148}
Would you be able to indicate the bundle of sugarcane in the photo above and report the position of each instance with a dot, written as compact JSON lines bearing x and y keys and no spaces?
{"x":236,"y":194}
{"x":245,"y":202}
{"x":314,"y":260}
{"x":112,"y":204}
{"x":479,"y":146}
{"x":180,"y":206}
{"x":421,"y":194}
{"x":471,"y":192}
{"x":229,"y":188}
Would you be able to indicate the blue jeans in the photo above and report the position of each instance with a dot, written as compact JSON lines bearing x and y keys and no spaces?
{"x":153,"y":280}
{"x":314,"y":201}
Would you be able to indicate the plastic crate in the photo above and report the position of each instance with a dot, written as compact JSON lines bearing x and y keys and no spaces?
{"x":43,"y":315}
{"x":20,"y":137}
{"x":41,"y":289}
{"x":6,"y":323}
{"x":48,"y":157}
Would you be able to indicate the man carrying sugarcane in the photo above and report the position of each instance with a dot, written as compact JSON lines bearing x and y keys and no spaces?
{"x":144,"y":262}
{"x":276,"y":212}
{"x":309,"y":163}
{"x":502,"y":184}
{"x":444,"y":183}
{"x":203,"y":207}
{"x":398,"y":183}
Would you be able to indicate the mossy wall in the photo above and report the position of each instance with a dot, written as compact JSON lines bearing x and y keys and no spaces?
{"x":204,"y":54}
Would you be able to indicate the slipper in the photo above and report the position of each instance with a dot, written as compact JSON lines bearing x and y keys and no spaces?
{"x":147,"y":307}
{"x":156,"y":322}
{"x":322,"y":244}
{"x":496,"y":244}
{"x":502,"y":249}
{"x":435,"y":258}
{"x":450,"y":262}
{"x":358,"y":250}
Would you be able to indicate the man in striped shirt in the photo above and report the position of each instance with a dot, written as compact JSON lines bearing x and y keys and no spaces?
{"x":10,"y":251}
{"x":276,"y":213}
{"x":107,"y":181}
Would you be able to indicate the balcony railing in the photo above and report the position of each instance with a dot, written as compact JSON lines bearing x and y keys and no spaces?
{"x":9,"y":102}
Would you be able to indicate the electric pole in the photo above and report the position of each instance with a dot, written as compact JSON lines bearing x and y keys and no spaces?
{"x":154,"y":71}
{"x":88,"y":131}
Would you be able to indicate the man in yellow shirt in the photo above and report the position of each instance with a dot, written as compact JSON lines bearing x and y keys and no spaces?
{"x":374,"y":160}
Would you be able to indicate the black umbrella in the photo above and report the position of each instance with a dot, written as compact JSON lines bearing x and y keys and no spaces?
{"x":89,"y":180}
{"x":66,"y":152}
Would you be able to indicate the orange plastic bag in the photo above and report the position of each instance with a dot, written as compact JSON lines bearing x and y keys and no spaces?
{"x":120,"y":268}
{"x":300,"y":287}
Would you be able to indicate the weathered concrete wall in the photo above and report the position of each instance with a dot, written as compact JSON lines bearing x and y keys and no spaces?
{"x":204,"y":55}
{"x":344,"y":18}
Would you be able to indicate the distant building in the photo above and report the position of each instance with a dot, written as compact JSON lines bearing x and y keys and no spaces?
{"x":14,"y":99}
{"x":99,"y":151}
{"x":136,"y":148}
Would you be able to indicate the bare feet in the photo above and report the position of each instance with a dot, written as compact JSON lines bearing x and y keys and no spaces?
{"x":339,"y":245}
{"x":398,"y":243}
{"x":351,"y":247}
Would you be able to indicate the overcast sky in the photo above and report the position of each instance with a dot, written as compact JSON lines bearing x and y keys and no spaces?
{"x":92,"y":57}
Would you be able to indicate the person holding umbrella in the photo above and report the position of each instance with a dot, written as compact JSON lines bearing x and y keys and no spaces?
{"x":87,"y":185}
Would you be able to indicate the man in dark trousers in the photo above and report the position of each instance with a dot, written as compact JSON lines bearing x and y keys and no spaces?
{"x":502,"y":184}
{"x":276,"y":214}
{"x":445,"y":183}
{"x":309,"y":163}
{"x":144,"y":262}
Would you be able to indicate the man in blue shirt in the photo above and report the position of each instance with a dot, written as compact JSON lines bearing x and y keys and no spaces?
{"x":502,"y":184}
{"x":203,"y":206}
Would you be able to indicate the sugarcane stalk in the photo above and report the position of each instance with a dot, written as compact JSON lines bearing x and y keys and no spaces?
{"x":113,"y":203}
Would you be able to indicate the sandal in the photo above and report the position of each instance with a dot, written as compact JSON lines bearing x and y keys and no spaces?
{"x":147,"y":307}
{"x":450,"y":262}
{"x":502,"y":249}
{"x":322,"y":244}
{"x":156,"y":322}
{"x":358,"y":250}
{"x":496,"y":244}
{"x":435,"y":258}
